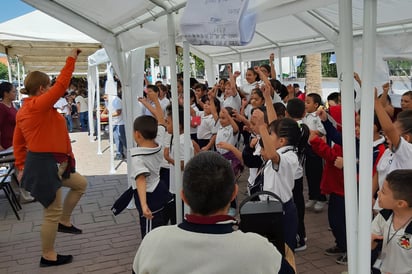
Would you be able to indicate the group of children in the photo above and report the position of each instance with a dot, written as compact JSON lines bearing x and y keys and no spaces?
{"x":283,"y":143}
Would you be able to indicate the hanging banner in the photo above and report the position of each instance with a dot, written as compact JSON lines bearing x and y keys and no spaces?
{"x":218,"y":22}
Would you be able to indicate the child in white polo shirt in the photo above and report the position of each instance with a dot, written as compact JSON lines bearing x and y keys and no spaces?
{"x":152,"y":194}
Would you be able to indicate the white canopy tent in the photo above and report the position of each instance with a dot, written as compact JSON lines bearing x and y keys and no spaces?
{"x":41,"y":42}
{"x":291,"y":27}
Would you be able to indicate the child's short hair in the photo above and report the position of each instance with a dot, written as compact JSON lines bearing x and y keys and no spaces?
{"x":205,"y":98}
{"x":153,"y":87}
{"x":280,"y":109}
{"x":400,"y":182}
{"x":208,"y":183}
{"x":295,"y":108}
{"x":169,"y":112}
{"x":316,"y":98}
{"x":147,"y":126}
{"x":334,"y":96}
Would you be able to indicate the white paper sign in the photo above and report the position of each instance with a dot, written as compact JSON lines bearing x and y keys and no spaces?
{"x":218,"y":22}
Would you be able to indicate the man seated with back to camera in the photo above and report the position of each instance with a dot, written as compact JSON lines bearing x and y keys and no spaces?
{"x":205,"y":242}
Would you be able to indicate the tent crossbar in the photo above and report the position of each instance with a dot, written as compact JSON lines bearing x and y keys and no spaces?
{"x":267,"y":38}
{"x":154,"y":16}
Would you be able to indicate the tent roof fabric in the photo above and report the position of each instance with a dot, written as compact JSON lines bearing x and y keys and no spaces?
{"x":42,"y":42}
{"x":282,"y":23}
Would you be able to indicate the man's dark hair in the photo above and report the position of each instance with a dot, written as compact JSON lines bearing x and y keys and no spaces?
{"x":295,"y":108}
{"x":147,"y":126}
{"x":400,"y":182}
{"x":208,"y":183}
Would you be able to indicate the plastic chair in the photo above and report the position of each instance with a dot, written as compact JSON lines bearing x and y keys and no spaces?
{"x":5,"y":183}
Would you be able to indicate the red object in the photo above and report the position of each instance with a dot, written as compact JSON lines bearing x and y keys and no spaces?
{"x":195,"y":121}
{"x":336,"y":113}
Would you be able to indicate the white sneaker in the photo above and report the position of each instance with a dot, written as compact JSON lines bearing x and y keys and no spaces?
{"x":319,"y":205}
{"x":310,"y":203}
{"x":26,"y":196}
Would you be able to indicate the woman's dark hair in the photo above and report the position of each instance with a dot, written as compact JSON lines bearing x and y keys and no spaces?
{"x":255,"y":73}
{"x":5,"y":87}
{"x":208,"y":183}
{"x":404,"y":118}
{"x":297,"y":135}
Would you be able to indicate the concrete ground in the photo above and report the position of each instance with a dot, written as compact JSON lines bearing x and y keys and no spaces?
{"x":108,"y":243}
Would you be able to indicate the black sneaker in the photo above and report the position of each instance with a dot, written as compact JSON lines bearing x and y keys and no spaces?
{"x":334,"y":251}
{"x":69,"y":229}
{"x":61,"y":259}
{"x":342,"y":259}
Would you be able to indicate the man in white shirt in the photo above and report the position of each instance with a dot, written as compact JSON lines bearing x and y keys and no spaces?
{"x":205,"y":240}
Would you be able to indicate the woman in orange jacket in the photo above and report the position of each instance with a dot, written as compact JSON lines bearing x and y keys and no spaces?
{"x":44,"y":157}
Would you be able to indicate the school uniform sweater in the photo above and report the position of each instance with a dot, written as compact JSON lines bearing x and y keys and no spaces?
{"x":39,"y":127}
{"x":205,"y":248}
{"x":332,"y":177}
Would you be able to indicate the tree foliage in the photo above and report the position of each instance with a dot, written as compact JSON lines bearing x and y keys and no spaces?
{"x":4,"y":73}
{"x":399,"y":67}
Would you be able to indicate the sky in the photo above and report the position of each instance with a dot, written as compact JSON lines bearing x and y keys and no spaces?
{"x":13,"y":8}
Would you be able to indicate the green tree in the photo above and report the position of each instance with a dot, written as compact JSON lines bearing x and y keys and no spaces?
{"x":328,"y":70}
{"x":4,"y":73}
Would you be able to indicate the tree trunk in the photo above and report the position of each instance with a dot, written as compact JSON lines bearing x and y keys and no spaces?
{"x":313,"y":74}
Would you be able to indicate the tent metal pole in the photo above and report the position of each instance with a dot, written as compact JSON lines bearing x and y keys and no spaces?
{"x":175,"y":114}
{"x":280,"y":64}
{"x":109,"y":108}
{"x":99,"y":136}
{"x":366,"y":133}
{"x":186,"y":97}
{"x":18,"y":75}
{"x":348,"y":121}
{"x":186,"y":104}
{"x":9,"y":69}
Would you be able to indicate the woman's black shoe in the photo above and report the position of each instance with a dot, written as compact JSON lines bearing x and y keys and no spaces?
{"x":61,"y":259}
{"x":69,"y":229}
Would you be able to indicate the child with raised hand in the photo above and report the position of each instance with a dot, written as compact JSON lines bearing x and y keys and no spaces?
{"x":393,"y":224}
{"x":151,"y":195}
{"x":206,"y":131}
{"x":282,"y":144}
{"x":399,"y":138}
{"x":231,"y":96}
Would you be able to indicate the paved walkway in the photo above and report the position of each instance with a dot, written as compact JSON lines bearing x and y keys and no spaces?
{"x":108,"y":244}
